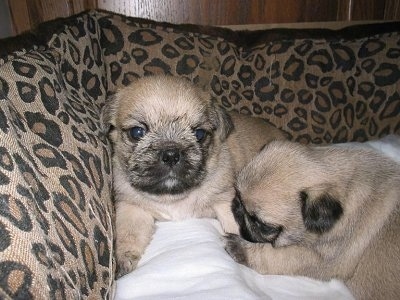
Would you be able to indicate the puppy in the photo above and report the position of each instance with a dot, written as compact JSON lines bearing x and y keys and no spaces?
{"x":176,"y":153}
{"x":323,"y":212}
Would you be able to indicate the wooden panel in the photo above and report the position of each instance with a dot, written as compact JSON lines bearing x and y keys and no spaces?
{"x":392,"y":10}
{"x":368,"y":9}
{"x":5,"y":20}
{"x":26,"y":14}
{"x":320,"y":11}
{"x":288,"y":11}
{"x":19,"y":16}
{"x":344,"y":10}
{"x":358,"y":10}
{"x":226,"y":12}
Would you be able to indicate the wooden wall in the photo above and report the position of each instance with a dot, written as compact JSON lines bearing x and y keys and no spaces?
{"x":27,"y":13}
{"x":228,"y":12}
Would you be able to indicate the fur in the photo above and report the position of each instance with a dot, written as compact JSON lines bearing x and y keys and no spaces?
{"x":323,"y":212}
{"x":168,"y":173}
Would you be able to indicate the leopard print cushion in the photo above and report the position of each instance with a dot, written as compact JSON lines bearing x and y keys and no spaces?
{"x":56,"y":213}
{"x":55,"y":204}
{"x":317,"y":90}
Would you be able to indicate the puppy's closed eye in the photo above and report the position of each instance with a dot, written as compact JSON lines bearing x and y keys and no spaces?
{"x":261,"y":232}
{"x":251,"y":227}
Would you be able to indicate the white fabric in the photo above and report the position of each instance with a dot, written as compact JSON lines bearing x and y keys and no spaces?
{"x":186,"y":260}
{"x":388,"y":146}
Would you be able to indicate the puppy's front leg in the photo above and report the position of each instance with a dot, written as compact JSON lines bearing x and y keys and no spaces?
{"x":134,"y":229}
{"x":265,"y":259}
{"x":225,"y":216}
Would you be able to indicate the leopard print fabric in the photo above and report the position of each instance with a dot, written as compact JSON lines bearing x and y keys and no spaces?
{"x":56,"y":214}
{"x":316,"y":90}
{"x":55,"y":177}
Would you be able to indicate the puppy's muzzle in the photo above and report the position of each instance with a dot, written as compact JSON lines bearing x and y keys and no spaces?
{"x":170,"y":157}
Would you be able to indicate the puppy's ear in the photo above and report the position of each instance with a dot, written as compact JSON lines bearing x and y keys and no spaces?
{"x":108,"y":114}
{"x":221,"y":120}
{"x":320,"y":210}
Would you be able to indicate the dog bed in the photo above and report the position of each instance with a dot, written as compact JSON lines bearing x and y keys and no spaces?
{"x":320,"y":86}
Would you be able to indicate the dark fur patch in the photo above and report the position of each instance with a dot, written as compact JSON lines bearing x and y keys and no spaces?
{"x":154,"y":177}
{"x":221,"y":120}
{"x":107,"y":121}
{"x":260,"y":232}
{"x":251,"y":227}
{"x":321,"y":214}
{"x":238,"y":209}
{"x":235,"y":247}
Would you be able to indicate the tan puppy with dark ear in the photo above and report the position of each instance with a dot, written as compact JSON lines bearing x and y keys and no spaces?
{"x":175,"y":156}
{"x":322,"y":212}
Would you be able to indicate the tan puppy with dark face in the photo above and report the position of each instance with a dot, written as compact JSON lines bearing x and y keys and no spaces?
{"x":175,"y":156}
{"x":322,"y":212}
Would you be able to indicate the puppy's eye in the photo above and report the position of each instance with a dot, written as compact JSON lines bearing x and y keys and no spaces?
{"x":200,"y":134}
{"x":137,"y":132}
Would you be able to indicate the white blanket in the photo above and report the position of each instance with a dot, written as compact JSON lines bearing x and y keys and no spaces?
{"x":186,"y":260}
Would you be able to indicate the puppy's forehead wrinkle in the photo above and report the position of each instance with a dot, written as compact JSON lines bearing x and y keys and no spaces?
{"x":162,"y":99}
{"x":278,"y":163}
{"x":167,"y":121}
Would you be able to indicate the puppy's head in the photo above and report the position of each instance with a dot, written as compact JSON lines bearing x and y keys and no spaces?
{"x":285,"y":196}
{"x":165,"y":131}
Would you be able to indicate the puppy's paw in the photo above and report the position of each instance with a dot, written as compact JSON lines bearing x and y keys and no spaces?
{"x":235,"y":246}
{"x":126,"y":263}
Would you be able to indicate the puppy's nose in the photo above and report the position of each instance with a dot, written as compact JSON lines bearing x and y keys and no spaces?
{"x":170,"y":157}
